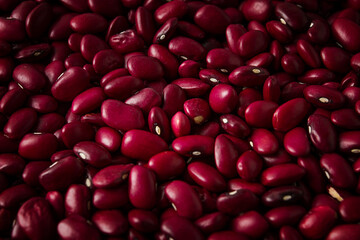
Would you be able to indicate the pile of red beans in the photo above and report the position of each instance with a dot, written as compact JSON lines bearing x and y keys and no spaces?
{"x":180,"y":120}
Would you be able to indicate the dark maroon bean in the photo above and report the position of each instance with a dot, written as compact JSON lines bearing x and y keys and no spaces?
{"x":61,"y":28}
{"x":308,"y":53}
{"x":344,"y":231}
{"x":92,"y":153}
{"x":60,"y":51}
{"x":169,"y":10}
{"x":6,"y":68}
{"x":29,"y":77}
{"x":287,"y":232}
{"x":142,"y":145}
{"x":166,"y":31}
{"x":38,"y":146}
{"x":22,"y":10}
{"x":292,"y":63}
{"x":36,"y":219}
{"x":206,"y":176}
{"x":286,"y":215}
{"x":39,"y":20}
{"x":349,"y":142}
{"x":77,"y":227}
{"x":324,"y":97}
{"x":167,"y":165}
{"x":126,"y":42}
{"x":111,"y":176}
{"x":230,"y":235}
{"x":20,"y":123}
{"x":190,"y":30}
{"x":282,"y":174}
{"x":158,"y":123}
{"x":223,"y":59}
{"x":260,"y":113}
{"x":282,"y":196}
{"x":43,"y":103}
{"x":233,"y":33}
{"x":252,"y":43}
{"x":34,"y":53}
{"x":108,"y":8}
{"x":246,"y":97}
{"x":180,"y":228}
{"x":110,"y":222}
{"x":279,"y":31}
{"x":169,"y":63}
{"x":248,"y":76}
{"x":186,"y":48}
{"x":117,"y":25}
{"x":212,"y":19}
{"x":317,"y":222}
{"x":212,"y":222}
{"x":147,"y":68}
{"x":173,"y":99}
{"x":341,"y":28}
{"x":226,"y":155}
{"x":194,"y":145}
{"x":259,"y":10}
{"x":77,"y":6}
{"x":49,"y":123}
{"x":291,"y":15}
{"x":123,"y":87}
{"x":263,"y":60}
{"x":237,"y":201}
{"x":90,"y":45}
{"x":110,"y":198}
{"x":142,"y":220}
{"x":222,"y":98}
{"x":192,"y":86}
{"x":77,"y":199}
{"x":348,"y":209}
{"x":75,"y":132}
{"x":145,"y":24}
{"x":317,"y":76}
{"x":322,"y":133}
{"x":251,"y":224}
{"x":32,"y":171}
{"x":54,"y":70}
{"x":16,"y":195}
{"x":88,"y":23}
{"x":346,"y":118}
{"x":11,"y":164}
{"x":107,"y":60}
{"x":12,"y":30}
{"x":234,"y":125}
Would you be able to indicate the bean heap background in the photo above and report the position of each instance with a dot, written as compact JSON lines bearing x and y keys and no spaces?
{"x":217,"y":119}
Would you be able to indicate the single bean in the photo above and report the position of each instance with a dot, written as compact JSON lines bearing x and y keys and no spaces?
{"x":110,"y":222}
{"x":77,"y":201}
{"x":286,"y":215}
{"x":251,"y":224}
{"x":237,"y":201}
{"x":77,"y":227}
{"x":322,"y":133}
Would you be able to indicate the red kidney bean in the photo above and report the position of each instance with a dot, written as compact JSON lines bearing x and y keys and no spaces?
{"x":282,"y":196}
{"x":121,"y":116}
{"x":88,"y":101}
{"x":146,"y":68}
{"x":317,"y":76}
{"x":348,"y":209}
{"x":112,"y":176}
{"x":29,"y":77}
{"x":37,"y":146}
{"x":222,"y":99}
{"x":252,"y":43}
{"x":194,"y":145}
{"x":290,"y":114}
{"x":246,"y":97}
{"x":110,"y":198}
{"x":145,"y":24}
{"x":158,"y":123}
{"x":12,"y":30}
{"x":142,"y":187}
{"x":126,"y":42}
{"x":90,"y":45}
{"x":263,"y":60}
{"x":346,"y":118}
{"x":180,"y":124}
{"x":277,"y":50}
{"x":22,"y":10}
{"x":313,"y":173}
{"x":142,"y":145}
{"x":32,"y":171}
{"x":39,"y":20}
{"x":343,"y":231}
{"x":197,"y":110}
{"x":297,"y":143}
{"x":186,"y":48}
{"x":189,"y":69}
{"x":56,"y":200}
{"x":169,"y":63}
{"x":240,"y":184}
{"x":292,"y":63}
{"x":233,"y":33}
{"x":20,"y":123}
{"x":280,"y":157}
{"x":249,"y":165}
{"x":341,"y":28}
{"x":206,"y":176}
{"x":291,"y":15}
{"x":62,"y":173}
{"x":74,"y":60}
{"x":77,"y":6}
{"x":349,"y":142}
{"x":325,"y":200}
{"x":54,"y":70}
{"x":229,"y":202}
{"x":308,"y":53}
{"x":251,"y":224}
{"x":192,"y":86}
{"x":282,"y":174}
{"x":319,"y":31}
{"x":60,"y":51}
{"x":180,"y":228}
{"x":338,"y":170}
{"x":43,"y":103}
{"x":257,"y":26}
{"x":16,"y":195}
{"x":173,"y":99}
{"x":264,"y":142}
{"x":234,"y":125}
{"x":88,"y":23}
{"x":212,"y":222}
{"x":75,"y":132}
{"x":352,"y":95}
{"x":322,"y":133}
{"x":190,"y":30}
{"x":184,"y":199}
{"x":287,"y":232}
{"x":279,"y":31}
{"x":286,"y":215}
{"x":259,"y":10}
{"x":169,"y":10}
{"x":260,"y":113}
{"x":226,"y":155}
{"x":33,"y":53}
{"x":212,"y":19}
{"x":117,"y":25}
{"x":335,"y":59}
{"x":61,"y":30}
{"x":107,"y":60}
{"x":107,"y":8}
{"x":77,"y":201}
{"x":355,"y":62}
{"x":210,"y":129}
{"x":108,"y":138}
{"x":248,"y":76}
{"x":166,"y":31}
{"x":145,"y":99}
{"x":35,"y":217}
{"x":123,"y":87}
{"x":167,"y":165}
{"x":92,"y":153}
{"x":77,"y":227}
{"x":324,"y":97}
{"x":223,"y":59}
{"x":142,"y":220}
{"x":6,"y":68}
{"x":11,"y":164}
{"x":317,"y":223}
{"x":110,"y":222}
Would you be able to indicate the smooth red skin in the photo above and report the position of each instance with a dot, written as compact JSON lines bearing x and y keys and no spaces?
{"x":184,"y":198}
{"x":12,"y":101}
{"x":206,"y":176}
{"x":226,"y":155}
{"x":212,"y":19}
{"x":251,"y":224}
{"x":39,"y":20}
{"x":167,"y":165}
{"x":292,"y":14}
{"x":74,"y":60}
{"x":169,"y":63}
{"x":355,"y":62}
{"x":53,"y":70}
{"x":110,"y":198}
{"x":357,"y":107}
{"x":187,"y":145}
{"x":6,"y":218}
{"x":180,"y":124}
{"x":108,"y":138}
{"x":126,"y":42}
{"x":348,"y":141}
{"x":12,"y":30}
{"x":145,"y":24}
{"x":88,"y":101}
{"x":347,"y":33}
{"x":120,"y":72}
{"x":16,"y":195}
{"x":213,"y":76}
{"x":61,"y":30}
{"x":274,"y":196}
{"x":186,"y":47}
{"x":60,"y":51}
{"x":123,"y":87}
{"x":77,"y":227}
{"x":335,"y":59}
{"x":181,"y":228}
{"x":38,"y":146}
{"x":252,"y":43}
{"x":279,"y":31}
{"x":33,"y":53}
{"x":264,"y":141}
{"x":279,"y":157}
{"x":43,"y":103}
{"x":288,"y":232}
{"x":142,"y":220}
{"x":110,"y":222}
{"x":260,"y":113}
{"x":90,"y":45}
{"x":322,"y":133}
{"x":107,"y":60}
{"x":145,"y":99}
{"x":92,"y":153}
{"x":317,"y":76}
{"x":109,"y":8}
{"x":170,"y":10}
{"x":282,"y":174}
{"x":349,"y":209}
{"x":212,"y":222}
{"x":29,"y":77}
{"x":352,"y":95}
{"x":286,"y":215}
{"x":222,"y":98}
{"x":340,"y":171}
{"x":245,"y":76}
{"x":292,"y":64}
{"x":75,"y":132}
{"x":88,"y":23}
{"x":233,"y":33}
{"x":229,"y":235}
{"x":76,"y":200}
{"x":158,"y":121}
{"x":142,"y":187}
{"x":192,"y":87}
{"x":344,"y":231}
{"x":142,"y":145}
{"x":246,"y":97}
{"x":6,"y":68}
{"x":308,"y":53}
{"x":189,"y":69}
{"x":22,"y":10}
{"x":117,"y":25}
{"x":197,"y":109}
{"x":166,"y":31}
{"x":32,"y":171}
{"x":317,"y":223}
{"x":11,"y":164}
{"x":111,"y":176}
{"x":77,"y":6}
{"x":290,"y":114}
{"x":313,"y":173}
{"x":20,"y":123}
{"x":121,"y":116}
{"x":219,"y":58}
{"x":346,"y":118}
{"x":146,"y":68}
{"x":249,"y":165}
{"x":277,"y":50}
{"x":313,"y":93}
{"x":74,"y":41}
{"x":297,"y":143}
{"x":263,"y":60}
{"x":191,"y":30}
{"x":259,"y":10}
{"x":234,"y":125}
{"x":320,"y":31}
{"x":36,"y":219}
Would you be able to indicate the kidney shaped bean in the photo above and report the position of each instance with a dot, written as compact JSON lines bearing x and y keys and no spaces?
{"x":167,"y":165}
{"x":186,"y":48}
{"x":194,"y":145}
{"x":248,"y":76}
{"x":251,"y":224}
{"x":206,"y":176}
{"x":347,"y":33}
{"x":252,"y":43}
{"x":282,"y":174}
{"x":147,"y":68}
{"x":92,"y":153}
{"x":77,"y":227}
{"x":88,"y":23}
{"x":38,"y":146}
{"x":212,"y":19}
{"x":181,"y":228}
{"x":110,"y":222}
{"x":322,"y":133}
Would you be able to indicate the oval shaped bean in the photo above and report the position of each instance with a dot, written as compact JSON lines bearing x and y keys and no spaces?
{"x":167,"y":165}
{"x":286,"y":215}
{"x":75,"y":226}
{"x":282,"y":174}
{"x":38,"y":146}
{"x":344,"y":231}
{"x":212,"y":19}
{"x":110,"y":222}
{"x":88,"y":23}
{"x":260,"y":113}
{"x":248,"y":76}
{"x":206,"y":176}
{"x":322,"y":133}
{"x":147,"y":68}
{"x":296,"y":142}
{"x":180,"y":228}
{"x":347,"y":33}
{"x":237,"y":201}
{"x":186,"y":48}
{"x":252,"y":43}
{"x":92,"y":153}
{"x":251,"y":224}
{"x":249,"y":165}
